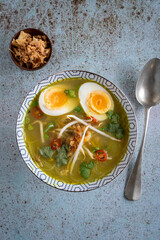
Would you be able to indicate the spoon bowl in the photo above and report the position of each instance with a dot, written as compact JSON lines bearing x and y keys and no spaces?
{"x":148,"y":95}
{"x":148,"y":84}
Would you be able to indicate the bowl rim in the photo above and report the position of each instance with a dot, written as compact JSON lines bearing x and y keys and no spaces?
{"x":39,"y":32}
{"x":134,"y":136}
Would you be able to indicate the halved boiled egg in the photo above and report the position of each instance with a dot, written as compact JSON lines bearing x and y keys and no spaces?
{"x":54,"y":102}
{"x":95,"y":100}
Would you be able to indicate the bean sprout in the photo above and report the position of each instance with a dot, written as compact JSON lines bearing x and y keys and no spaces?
{"x":78,"y":149}
{"x":93,"y":128}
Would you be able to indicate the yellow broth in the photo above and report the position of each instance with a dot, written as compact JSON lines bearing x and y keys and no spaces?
{"x":115,"y":149}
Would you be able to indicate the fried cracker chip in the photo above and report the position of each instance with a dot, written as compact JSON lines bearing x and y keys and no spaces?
{"x":30,"y":51}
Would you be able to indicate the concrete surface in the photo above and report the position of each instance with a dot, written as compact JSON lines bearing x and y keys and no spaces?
{"x":111,"y":38}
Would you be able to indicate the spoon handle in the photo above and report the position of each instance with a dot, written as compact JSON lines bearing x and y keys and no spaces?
{"x":133,"y":186}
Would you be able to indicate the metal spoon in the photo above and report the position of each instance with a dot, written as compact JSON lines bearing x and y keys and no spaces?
{"x":147,"y":94}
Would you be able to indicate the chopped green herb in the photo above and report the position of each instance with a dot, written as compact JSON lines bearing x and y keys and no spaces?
{"x":95,"y":149}
{"x":119,"y":133}
{"x":27,"y":120}
{"x":46,"y":136}
{"x":34,"y":103}
{"x":113,"y":117}
{"x":102,"y":129}
{"x":88,"y":165}
{"x":70,"y":92}
{"x":78,"y":109}
{"x":116,"y":129}
{"x":112,"y":127}
{"x":30,"y":127}
{"x":66,"y":92}
{"x":85,"y":169}
{"x":66,"y":147}
{"x":61,"y":157}
{"x":77,"y":87}
{"x":109,"y":114}
{"x":46,"y":151}
{"x":50,"y":125}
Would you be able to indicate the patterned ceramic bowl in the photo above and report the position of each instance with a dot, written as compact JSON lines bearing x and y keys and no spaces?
{"x":132,"y":127}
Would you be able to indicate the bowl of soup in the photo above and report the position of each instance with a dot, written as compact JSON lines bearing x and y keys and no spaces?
{"x":76,"y":131}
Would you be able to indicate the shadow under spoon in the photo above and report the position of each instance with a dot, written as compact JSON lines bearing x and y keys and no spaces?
{"x":148,"y":95}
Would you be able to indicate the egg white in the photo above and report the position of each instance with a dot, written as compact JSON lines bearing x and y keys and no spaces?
{"x":67,"y":107}
{"x":84,"y":91}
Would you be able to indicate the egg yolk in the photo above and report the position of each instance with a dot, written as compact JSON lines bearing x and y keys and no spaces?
{"x":54,"y":99}
{"x":99,"y":102}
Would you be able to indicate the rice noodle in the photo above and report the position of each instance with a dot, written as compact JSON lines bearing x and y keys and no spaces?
{"x":89,"y":152}
{"x":88,"y":120}
{"x":93,"y":128}
{"x":65,"y":127}
{"x":41,"y":129}
{"x":83,"y":153}
{"x":100,"y":124}
{"x":78,"y":149}
{"x":38,"y":161}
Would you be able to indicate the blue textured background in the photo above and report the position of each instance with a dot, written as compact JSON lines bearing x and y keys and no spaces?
{"x":111,"y":38}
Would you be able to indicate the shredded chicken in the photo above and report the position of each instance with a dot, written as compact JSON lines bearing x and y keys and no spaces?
{"x":74,"y":140}
{"x":87,"y":136}
{"x":30,"y":51}
{"x":41,"y":129}
{"x":65,"y":127}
